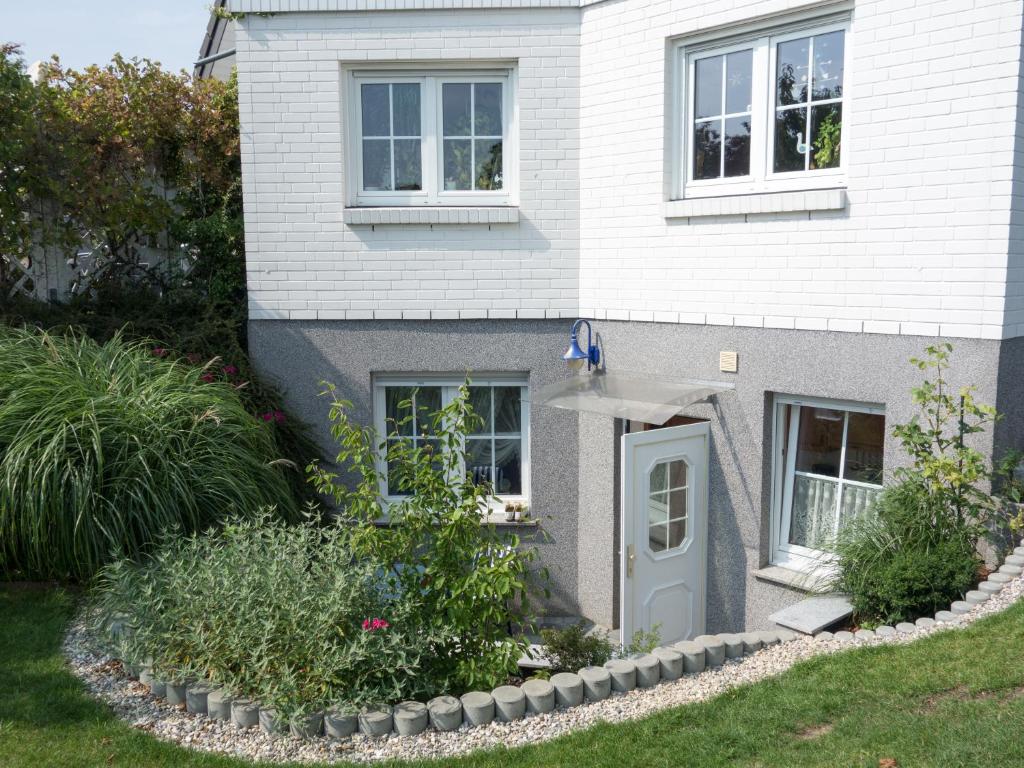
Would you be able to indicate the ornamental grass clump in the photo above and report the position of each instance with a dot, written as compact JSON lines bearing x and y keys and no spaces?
{"x":102,"y":447}
{"x":274,"y":612}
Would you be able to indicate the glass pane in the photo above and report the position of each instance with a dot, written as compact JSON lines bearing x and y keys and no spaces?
{"x":707,"y":150}
{"x":865,"y":438}
{"x":488,"y":164}
{"x":408,"y":165}
{"x":508,"y":404}
{"x":738,"y":68}
{"x":376,"y":109}
{"x":677,"y":474}
{"x":407,"y":108}
{"x":676,"y":533}
{"x":479,"y":460}
{"x":457,"y":164}
{"x":398,"y":407}
{"x":455,"y":101}
{"x":791,"y":71}
{"x":828,"y":66}
{"x":394,"y":479}
{"x":677,"y":503}
{"x":659,"y":478}
{"x":708,"y":81}
{"x":737,"y":146}
{"x":657,"y":508}
{"x":376,"y":165}
{"x":508,"y":467}
{"x":657,"y":538}
{"x":480,"y":402}
{"x":487,"y":109}
{"x":826,"y":135}
{"x":428,"y":403}
{"x":814,"y":512}
{"x":856,"y":501}
{"x":790,"y":133}
{"x":820,"y":441}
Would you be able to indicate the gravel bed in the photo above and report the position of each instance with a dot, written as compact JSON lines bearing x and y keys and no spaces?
{"x":131,"y":702}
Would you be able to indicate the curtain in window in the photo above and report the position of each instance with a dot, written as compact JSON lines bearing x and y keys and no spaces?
{"x":813,"y":519}
{"x":813,"y":522}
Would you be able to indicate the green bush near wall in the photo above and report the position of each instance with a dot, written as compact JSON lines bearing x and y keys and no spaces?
{"x":104,"y":446}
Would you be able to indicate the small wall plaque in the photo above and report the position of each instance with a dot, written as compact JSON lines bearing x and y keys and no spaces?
{"x":728,"y":362}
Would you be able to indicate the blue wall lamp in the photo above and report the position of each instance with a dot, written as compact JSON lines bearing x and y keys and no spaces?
{"x":574,"y":355}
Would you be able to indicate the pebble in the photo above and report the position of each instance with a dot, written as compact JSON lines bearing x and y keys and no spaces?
{"x":132,"y":703}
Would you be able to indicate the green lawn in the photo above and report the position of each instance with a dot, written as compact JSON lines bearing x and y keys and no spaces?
{"x":953,"y":700}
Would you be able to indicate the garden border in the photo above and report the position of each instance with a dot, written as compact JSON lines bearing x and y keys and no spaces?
{"x":622,"y":689}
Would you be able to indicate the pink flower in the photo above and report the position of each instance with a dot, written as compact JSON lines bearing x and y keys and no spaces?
{"x":159,"y":352}
{"x":267,"y":416}
{"x":366,"y":623}
{"x":207,"y":377}
{"x":279,"y":417}
{"x":371,"y":625}
{"x":230,"y":370}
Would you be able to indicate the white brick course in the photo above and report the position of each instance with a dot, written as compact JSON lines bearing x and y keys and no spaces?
{"x":929,"y":238}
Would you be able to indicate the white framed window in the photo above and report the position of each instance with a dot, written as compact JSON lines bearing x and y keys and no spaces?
{"x":438,"y":138}
{"x":498,"y":451}
{"x":762,"y":112}
{"x":828,"y":469}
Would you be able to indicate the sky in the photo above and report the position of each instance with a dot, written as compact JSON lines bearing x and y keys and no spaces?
{"x":84,"y":32}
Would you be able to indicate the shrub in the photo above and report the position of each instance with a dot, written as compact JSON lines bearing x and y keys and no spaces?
{"x":917,"y":549}
{"x":907,"y":559}
{"x":475,"y":582}
{"x":104,"y":446}
{"x":571,"y":649}
{"x":280,"y":613}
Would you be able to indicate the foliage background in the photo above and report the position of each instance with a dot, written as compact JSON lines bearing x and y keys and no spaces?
{"x":125,"y":158}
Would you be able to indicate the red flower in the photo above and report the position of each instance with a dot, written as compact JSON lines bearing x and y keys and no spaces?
{"x":159,"y":352}
{"x":207,"y":377}
{"x":267,"y":416}
{"x":230,"y":370}
{"x":279,"y":417}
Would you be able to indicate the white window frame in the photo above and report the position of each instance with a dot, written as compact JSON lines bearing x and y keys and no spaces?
{"x":449,"y":390}
{"x":431,"y":127}
{"x":784,"y":554}
{"x":762,"y":177}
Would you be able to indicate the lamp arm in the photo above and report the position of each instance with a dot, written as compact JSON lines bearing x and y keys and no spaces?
{"x":593,"y":355}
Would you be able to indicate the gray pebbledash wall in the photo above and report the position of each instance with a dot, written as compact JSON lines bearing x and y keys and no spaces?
{"x":574,"y":457}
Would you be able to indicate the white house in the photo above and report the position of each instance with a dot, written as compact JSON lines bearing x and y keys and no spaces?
{"x":764,"y":209}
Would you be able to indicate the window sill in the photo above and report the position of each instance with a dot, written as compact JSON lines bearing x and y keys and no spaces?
{"x":767,"y":202}
{"x":419,"y":215}
{"x":806,"y":581}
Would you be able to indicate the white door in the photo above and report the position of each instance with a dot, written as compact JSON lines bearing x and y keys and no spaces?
{"x":664,"y":531}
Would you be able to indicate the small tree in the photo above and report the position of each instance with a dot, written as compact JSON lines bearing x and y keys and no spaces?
{"x":436,"y":541}
{"x":935,"y":439}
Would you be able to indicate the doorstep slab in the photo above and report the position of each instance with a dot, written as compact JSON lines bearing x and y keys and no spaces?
{"x":814,"y":614}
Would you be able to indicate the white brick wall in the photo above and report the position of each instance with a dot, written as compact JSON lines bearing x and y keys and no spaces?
{"x":922,"y":247}
{"x":304,"y":261}
{"x":925,"y":244}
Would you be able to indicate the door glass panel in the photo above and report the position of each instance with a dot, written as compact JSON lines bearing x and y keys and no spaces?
{"x":666,"y":505}
{"x":820,"y":441}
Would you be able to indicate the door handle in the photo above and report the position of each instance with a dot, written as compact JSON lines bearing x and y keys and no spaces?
{"x":630,"y":558}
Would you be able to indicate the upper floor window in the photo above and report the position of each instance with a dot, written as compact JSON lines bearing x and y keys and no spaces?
{"x":438,"y":139}
{"x":497,"y":451}
{"x":829,"y":468}
{"x":765,"y":113}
